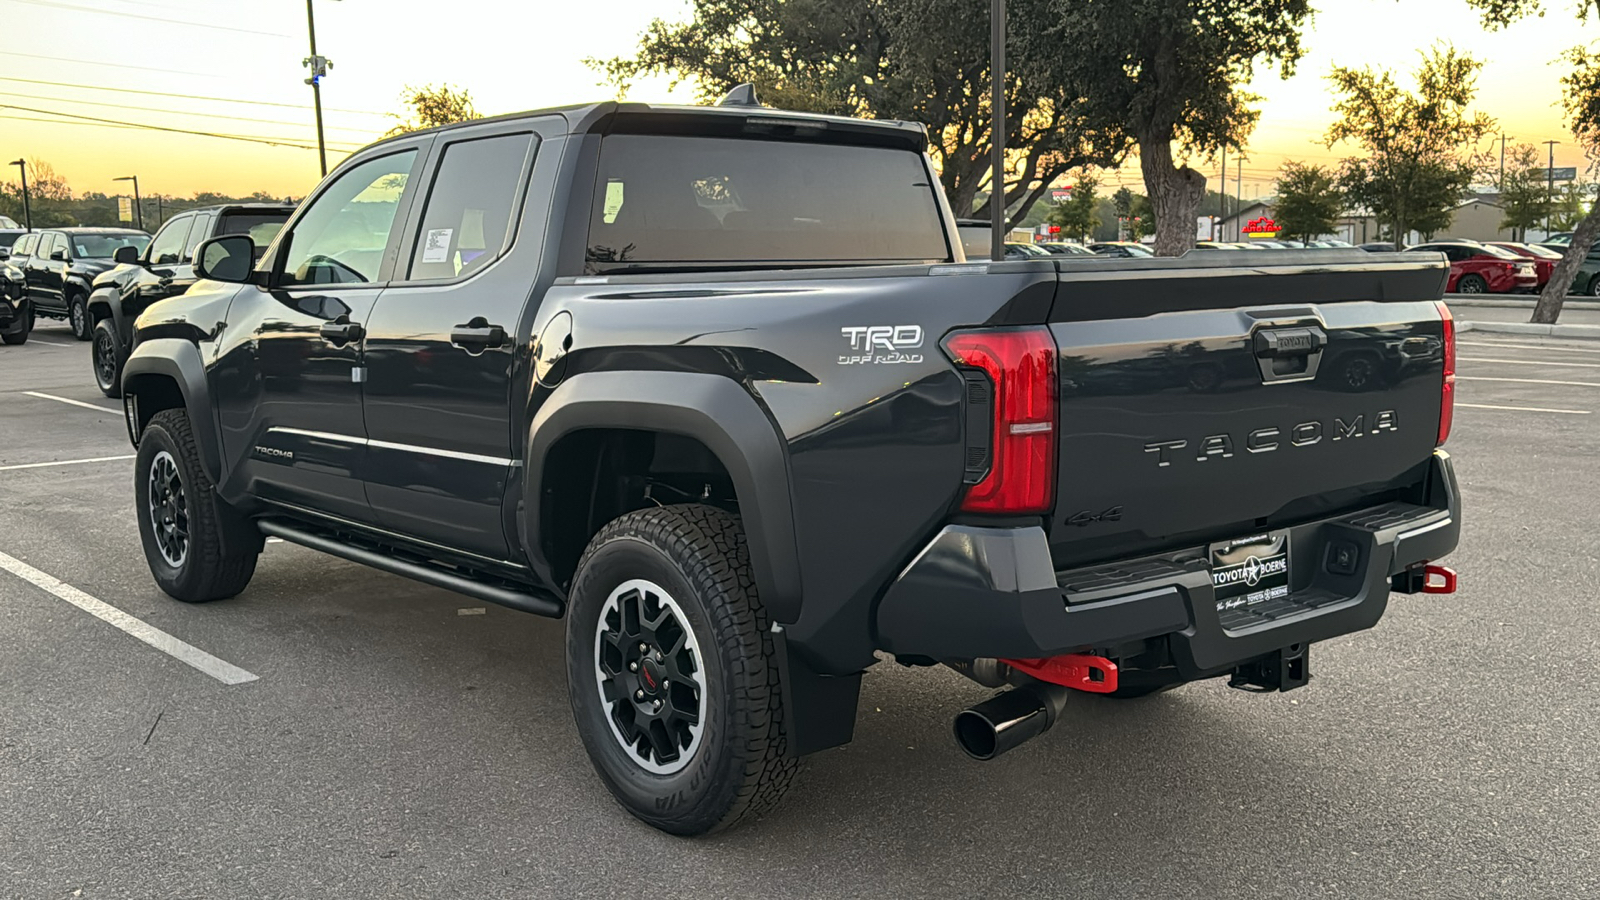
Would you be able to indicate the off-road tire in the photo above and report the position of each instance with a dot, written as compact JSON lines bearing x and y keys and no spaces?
{"x":108,"y":371}
{"x":207,"y":572}
{"x":739,"y":767}
{"x":20,"y":332}
{"x":78,"y":316}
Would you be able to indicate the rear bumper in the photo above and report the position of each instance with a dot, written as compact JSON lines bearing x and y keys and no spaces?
{"x":979,"y":592}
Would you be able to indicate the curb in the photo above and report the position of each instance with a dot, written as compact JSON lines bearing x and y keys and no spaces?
{"x":1468,"y":301}
{"x":1558,"y":331}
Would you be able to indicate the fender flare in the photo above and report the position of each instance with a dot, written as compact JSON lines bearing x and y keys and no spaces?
{"x":179,"y":361}
{"x":109,"y":297}
{"x":79,"y":282}
{"x":712,"y":409}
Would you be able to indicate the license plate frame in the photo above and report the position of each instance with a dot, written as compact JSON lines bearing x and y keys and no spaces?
{"x":1249,"y":571}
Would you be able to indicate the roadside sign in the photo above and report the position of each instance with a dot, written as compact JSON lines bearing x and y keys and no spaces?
{"x":1061,"y":195}
{"x":125,"y":209}
{"x":1565,"y":173}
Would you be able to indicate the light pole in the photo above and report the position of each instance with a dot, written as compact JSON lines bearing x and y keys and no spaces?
{"x":997,"y":126}
{"x":319,"y":66}
{"x":27,"y":214}
{"x":138,"y":205}
{"x":1550,"y":189}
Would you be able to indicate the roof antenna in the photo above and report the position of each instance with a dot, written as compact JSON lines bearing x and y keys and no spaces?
{"x":743,"y":95}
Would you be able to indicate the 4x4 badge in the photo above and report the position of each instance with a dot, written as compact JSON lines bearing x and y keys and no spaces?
{"x":1114,"y":514}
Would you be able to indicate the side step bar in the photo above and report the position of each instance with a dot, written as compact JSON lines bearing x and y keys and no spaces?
{"x":540,"y":604}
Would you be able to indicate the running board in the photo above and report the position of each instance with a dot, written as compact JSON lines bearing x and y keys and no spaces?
{"x":540,"y":604}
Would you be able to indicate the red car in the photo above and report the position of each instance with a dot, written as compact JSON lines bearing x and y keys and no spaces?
{"x":1544,"y":259}
{"x":1482,"y":269}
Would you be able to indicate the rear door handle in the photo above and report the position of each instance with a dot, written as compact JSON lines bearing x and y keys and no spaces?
{"x":478,"y":334}
{"x":341,"y":331}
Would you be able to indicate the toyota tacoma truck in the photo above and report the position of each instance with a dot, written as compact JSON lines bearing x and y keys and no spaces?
{"x":717,"y":386}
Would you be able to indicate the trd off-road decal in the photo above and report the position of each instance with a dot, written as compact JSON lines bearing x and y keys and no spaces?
{"x":872,"y":344}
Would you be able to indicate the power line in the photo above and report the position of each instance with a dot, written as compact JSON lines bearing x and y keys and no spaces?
{"x":92,"y":87}
{"x":57,"y":4}
{"x":275,"y":142}
{"x":172,"y":111}
{"x":91,"y":62}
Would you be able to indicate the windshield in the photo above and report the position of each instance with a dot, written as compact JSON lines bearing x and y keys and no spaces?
{"x":670,"y":200}
{"x":104,"y":246}
{"x":261,"y":227}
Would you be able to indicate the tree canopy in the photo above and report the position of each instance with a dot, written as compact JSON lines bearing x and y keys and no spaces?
{"x":1079,"y":214}
{"x":430,"y":106}
{"x":1525,"y":195}
{"x":1310,"y":201}
{"x":1419,"y":146}
{"x":1172,"y":74}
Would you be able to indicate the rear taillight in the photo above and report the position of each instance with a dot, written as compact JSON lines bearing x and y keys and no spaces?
{"x":1447,"y":399}
{"x":1021,"y":367}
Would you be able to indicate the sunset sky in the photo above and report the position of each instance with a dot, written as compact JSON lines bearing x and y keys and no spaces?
{"x":530,"y":54}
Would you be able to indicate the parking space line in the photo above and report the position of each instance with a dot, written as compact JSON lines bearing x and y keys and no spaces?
{"x":94,"y":406}
{"x":1528,"y":380}
{"x":1531,"y":362}
{"x":48,"y":343}
{"x":64,"y":462}
{"x":225,"y":672}
{"x":1528,"y":347}
{"x":1539,"y":409}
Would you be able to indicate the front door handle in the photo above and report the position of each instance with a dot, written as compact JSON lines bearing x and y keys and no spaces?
{"x":341,"y":331}
{"x":478,"y":334}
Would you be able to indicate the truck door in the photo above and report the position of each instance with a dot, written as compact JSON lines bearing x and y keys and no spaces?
{"x":44,"y":272}
{"x":442,"y":345}
{"x":288,"y":378}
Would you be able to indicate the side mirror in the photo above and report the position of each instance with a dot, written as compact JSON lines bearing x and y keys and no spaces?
{"x":126,"y":255}
{"x":58,"y":255}
{"x":228,"y":258}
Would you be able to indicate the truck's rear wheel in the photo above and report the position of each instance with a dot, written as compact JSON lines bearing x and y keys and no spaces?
{"x":671,"y":671}
{"x":181,"y":519}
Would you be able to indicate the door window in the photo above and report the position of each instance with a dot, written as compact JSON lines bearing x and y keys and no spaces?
{"x":197,"y":233}
{"x":24,"y":245}
{"x":342,"y":236}
{"x":167,"y":248}
{"x":469,"y":211}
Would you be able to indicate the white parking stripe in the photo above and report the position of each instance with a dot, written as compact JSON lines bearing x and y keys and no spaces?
{"x":48,"y":343}
{"x":1528,"y":347}
{"x":94,"y":406}
{"x":1528,"y":380}
{"x":1531,"y":362}
{"x":1570,"y":412}
{"x":63,"y":462}
{"x":225,"y":672}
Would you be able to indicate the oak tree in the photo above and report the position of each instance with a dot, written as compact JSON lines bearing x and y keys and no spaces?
{"x":1310,"y":201}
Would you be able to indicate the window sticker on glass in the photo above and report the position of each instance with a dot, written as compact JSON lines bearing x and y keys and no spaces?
{"x":437,"y":249}
{"x":613,"y":201}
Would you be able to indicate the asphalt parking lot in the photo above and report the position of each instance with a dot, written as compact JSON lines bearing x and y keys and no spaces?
{"x":402,"y":741}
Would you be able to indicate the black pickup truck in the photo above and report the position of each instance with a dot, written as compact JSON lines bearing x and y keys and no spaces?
{"x":163,"y":269}
{"x":718,"y":386}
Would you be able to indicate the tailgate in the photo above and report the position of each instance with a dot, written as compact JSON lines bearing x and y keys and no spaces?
{"x":1205,"y":400}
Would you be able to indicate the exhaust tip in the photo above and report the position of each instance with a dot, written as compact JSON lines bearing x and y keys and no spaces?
{"x":975,"y":734}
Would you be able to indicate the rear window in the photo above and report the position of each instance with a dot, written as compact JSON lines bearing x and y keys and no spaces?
{"x":1501,"y":252}
{"x":674,"y":201}
{"x":262,"y":227}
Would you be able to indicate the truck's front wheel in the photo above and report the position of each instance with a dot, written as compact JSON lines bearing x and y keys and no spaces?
{"x":181,"y":519}
{"x":671,"y":671}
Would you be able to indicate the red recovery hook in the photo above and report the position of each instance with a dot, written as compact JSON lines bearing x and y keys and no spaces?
{"x":1078,"y":671}
{"x":1438,"y":580}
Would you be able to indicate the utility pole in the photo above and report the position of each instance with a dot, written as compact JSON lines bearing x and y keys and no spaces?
{"x":1238,"y":227}
{"x":1222,"y":201}
{"x":138,"y":204}
{"x":997,"y":127}
{"x":319,"y":66}
{"x":1550,"y":189}
{"x":27,"y":214}
{"x":1502,"y":186}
